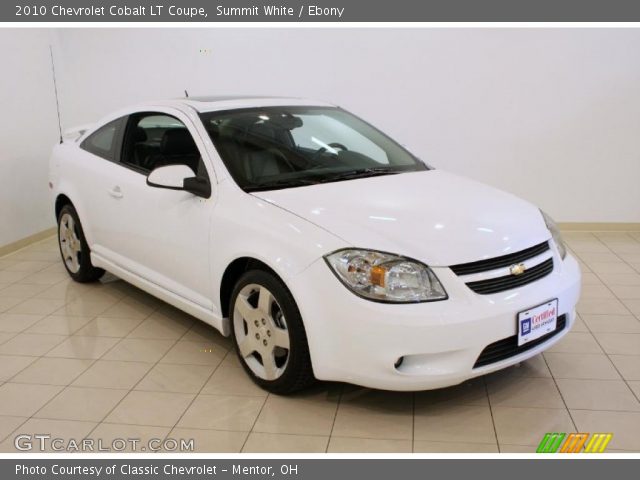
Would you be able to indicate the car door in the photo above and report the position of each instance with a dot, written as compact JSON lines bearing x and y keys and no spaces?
{"x":161,"y":235}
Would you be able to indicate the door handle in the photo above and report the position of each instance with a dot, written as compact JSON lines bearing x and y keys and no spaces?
{"x":115,"y":192}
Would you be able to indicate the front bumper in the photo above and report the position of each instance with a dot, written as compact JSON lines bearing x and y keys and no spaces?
{"x":359,"y":341}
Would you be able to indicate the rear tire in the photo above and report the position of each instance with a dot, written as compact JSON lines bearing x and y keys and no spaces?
{"x":269,"y":335}
{"x":75,"y":252}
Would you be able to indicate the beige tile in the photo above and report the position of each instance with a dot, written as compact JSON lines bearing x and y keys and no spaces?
{"x":527,"y":426}
{"x":278,"y":443}
{"x":85,"y":307}
{"x":23,"y":400}
{"x":610,"y":267}
{"x":617,"y":343}
{"x":598,"y":395}
{"x":45,"y":278}
{"x":165,"y":377}
{"x":454,"y":423}
{"x":471,"y":392}
{"x":303,"y":414}
{"x":627,"y":365}
{"x":576,"y":342}
{"x":222,"y":412}
{"x":628,"y":279}
{"x":624,"y":426}
{"x":523,"y":391}
{"x":633,"y":305}
{"x":56,"y":429}
{"x":596,"y":292}
{"x":229,"y":379}
{"x":601,"y":306}
{"x":581,"y":365}
{"x":626,"y":292}
{"x":5,"y":337}
{"x":82,"y":403}
{"x":9,"y":424}
{"x":139,"y":350}
{"x":208,"y":336}
{"x":599,"y":257}
{"x":16,"y":322}
{"x":12,"y":364}
{"x":194,"y":353}
{"x":589,"y":278}
{"x":368,"y":445}
{"x":508,"y":448}
{"x":161,"y":327}
{"x":19,"y":290}
{"x":635,"y":387}
{"x":30,"y":344}
{"x":128,"y":308}
{"x":422,"y":446}
{"x":113,"y":374}
{"x":130,"y":438}
{"x":83,"y":347}
{"x":211,"y":441}
{"x":612,"y":323}
{"x":52,"y":371}
{"x":59,"y":325}
{"x":12,"y":277}
{"x":37,"y":306}
{"x":109,"y":327}
{"x":579,"y":325}
{"x":151,"y":408}
{"x":9,"y":302}
{"x":374,"y":414}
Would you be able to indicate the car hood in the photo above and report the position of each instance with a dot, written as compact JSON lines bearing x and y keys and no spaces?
{"x":433,"y":216}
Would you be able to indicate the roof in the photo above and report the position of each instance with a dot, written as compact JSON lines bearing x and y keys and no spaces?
{"x":230,"y":102}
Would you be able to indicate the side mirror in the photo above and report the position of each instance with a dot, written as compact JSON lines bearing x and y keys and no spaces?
{"x":179,"y":177}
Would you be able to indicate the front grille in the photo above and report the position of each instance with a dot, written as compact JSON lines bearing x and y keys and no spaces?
{"x":508,"y":347}
{"x":500,"y":262}
{"x":507,"y":282}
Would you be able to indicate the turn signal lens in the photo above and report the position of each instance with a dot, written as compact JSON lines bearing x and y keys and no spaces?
{"x":385,"y":277}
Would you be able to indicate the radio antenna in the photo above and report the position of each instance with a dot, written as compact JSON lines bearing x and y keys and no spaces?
{"x":186,"y":94}
{"x":55,"y":89}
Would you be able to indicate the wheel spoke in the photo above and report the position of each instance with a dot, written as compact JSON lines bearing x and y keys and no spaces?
{"x":244,"y":308}
{"x":246,"y":347}
{"x":264,"y":301}
{"x":280,"y":337}
{"x":269,"y":364}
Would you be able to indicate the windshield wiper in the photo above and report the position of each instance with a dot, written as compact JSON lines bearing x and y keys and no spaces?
{"x":278,"y":184}
{"x":359,"y":173}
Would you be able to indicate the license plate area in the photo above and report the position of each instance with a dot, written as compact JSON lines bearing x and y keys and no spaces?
{"x":537,"y":321}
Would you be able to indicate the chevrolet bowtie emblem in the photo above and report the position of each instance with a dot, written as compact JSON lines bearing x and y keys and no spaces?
{"x":517,"y":269}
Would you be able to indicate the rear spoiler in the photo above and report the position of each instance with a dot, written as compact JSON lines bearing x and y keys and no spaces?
{"x":74,"y":134}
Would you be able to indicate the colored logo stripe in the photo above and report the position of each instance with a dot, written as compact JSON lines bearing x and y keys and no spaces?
{"x":574,"y":443}
{"x":550,"y":442}
{"x":598,"y":442}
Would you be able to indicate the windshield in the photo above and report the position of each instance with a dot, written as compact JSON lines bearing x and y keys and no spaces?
{"x":281,"y":147}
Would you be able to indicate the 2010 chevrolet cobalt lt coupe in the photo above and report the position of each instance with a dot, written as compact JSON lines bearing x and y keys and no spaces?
{"x":324,"y":248}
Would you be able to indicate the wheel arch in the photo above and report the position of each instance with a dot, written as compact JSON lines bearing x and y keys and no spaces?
{"x":61,"y":201}
{"x":232,"y":274}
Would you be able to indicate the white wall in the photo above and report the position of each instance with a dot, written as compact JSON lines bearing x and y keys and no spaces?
{"x":550,"y":114}
{"x":28,"y":129}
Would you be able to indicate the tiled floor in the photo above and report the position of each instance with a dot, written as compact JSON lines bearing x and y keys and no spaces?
{"x":107,"y":361}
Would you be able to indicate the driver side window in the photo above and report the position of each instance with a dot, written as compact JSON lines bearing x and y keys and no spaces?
{"x":155,"y":140}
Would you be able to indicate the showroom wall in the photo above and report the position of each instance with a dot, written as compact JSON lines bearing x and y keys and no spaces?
{"x":549,"y":114}
{"x":29,"y":128}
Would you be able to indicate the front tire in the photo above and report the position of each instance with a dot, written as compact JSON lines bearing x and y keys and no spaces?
{"x":269,"y":335}
{"x":75,"y":252}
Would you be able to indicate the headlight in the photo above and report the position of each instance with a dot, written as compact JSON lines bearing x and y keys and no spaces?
{"x":385,"y":277}
{"x":555,"y":233}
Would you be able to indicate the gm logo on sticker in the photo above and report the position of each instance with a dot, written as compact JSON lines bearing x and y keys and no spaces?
{"x":525,"y":326}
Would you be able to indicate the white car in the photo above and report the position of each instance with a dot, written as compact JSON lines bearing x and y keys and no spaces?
{"x":326,"y":249}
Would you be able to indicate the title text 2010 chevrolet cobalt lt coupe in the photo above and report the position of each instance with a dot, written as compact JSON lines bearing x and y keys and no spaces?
{"x":322,"y":246}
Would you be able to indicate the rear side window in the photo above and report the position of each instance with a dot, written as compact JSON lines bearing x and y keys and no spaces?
{"x":104,"y":141}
